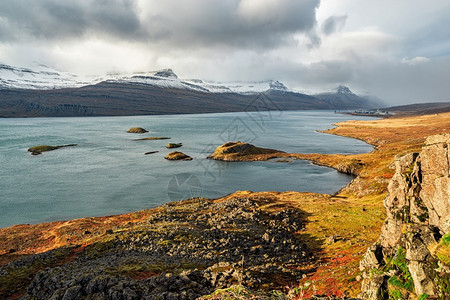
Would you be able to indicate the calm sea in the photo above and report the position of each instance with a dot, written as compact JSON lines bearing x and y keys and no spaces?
{"x":108,"y":173}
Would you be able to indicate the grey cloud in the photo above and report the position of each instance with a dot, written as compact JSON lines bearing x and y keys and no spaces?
{"x":190,"y":23}
{"x":333,"y":24}
{"x":392,"y":81}
{"x":247,"y":26}
{"x":52,"y":20}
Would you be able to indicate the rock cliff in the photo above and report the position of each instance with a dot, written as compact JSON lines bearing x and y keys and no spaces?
{"x":411,"y":256}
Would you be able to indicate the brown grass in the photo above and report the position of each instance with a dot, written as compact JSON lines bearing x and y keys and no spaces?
{"x":354,"y":215}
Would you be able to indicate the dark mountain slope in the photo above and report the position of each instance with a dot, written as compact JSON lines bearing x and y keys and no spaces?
{"x":420,"y":108}
{"x":343,"y":98}
{"x":111,"y":98}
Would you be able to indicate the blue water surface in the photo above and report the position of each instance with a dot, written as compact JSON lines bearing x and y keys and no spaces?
{"x":108,"y":173}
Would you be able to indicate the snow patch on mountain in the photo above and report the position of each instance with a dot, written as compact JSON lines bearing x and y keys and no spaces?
{"x":39,"y":77}
{"x":43,"y":77}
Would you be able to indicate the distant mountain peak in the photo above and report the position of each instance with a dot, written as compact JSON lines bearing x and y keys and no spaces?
{"x":343,"y":90}
{"x":277,"y":86}
{"x":167,"y":73}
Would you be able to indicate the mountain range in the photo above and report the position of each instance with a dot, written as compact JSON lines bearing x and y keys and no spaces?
{"x":44,"y":92}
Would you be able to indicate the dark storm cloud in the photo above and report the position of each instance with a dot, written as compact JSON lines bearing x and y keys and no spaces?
{"x":52,"y":20}
{"x":333,"y":24}
{"x":188,"y":23}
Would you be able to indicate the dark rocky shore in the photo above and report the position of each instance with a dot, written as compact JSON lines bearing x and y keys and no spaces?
{"x":186,"y":250}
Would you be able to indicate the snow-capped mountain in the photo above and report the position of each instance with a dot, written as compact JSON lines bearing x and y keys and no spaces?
{"x":168,"y":79}
{"x":38,"y":77}
{"x":43,"y":92}
{"x":41,"y":77}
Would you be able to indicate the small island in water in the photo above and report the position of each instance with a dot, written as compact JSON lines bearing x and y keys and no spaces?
{"x":254,"y":243}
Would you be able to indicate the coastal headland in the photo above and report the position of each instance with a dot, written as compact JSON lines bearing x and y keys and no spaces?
{"x":301,"y":244}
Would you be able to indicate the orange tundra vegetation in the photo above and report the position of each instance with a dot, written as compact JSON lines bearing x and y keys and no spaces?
{"x":338,"y":228}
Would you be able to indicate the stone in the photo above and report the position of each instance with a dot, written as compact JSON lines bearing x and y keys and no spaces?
{"x":176,"y":155}
{"x":373,"y":288}
{"x":174,"y":145}
{"x":137,"y":130}
{"x":332,"y":239}
{"x":72,"y":293}
{"x":372,"y":258}
{"x":422,"y":274}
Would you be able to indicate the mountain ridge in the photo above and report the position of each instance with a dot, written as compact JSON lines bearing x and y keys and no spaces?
{"x":44,"y":93}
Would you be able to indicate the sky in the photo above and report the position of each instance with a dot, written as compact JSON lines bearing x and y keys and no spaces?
{"x":396,"y":50}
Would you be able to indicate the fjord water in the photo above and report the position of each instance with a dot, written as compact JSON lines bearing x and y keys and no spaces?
{"x":108,"y":173}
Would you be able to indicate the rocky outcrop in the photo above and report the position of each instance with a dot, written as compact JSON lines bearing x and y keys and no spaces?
{"x":185,"y":250}
{"x":402,"y":262}
{"x":176,"y":155}
{"x":137,"y":130}
{"x":239,"y":151}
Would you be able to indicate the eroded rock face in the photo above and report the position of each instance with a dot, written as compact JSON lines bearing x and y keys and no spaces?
{"x":418,"y":215}
{"x":435,"y":158}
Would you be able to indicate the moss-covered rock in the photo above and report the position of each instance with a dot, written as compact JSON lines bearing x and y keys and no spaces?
{"x":176,"y":155}
{"x":137,"y":130}
{"x":174,"y":145}
{"x":36,"y":150}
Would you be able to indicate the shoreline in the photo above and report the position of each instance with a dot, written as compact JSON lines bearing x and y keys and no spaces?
{"x":249,"y":158}
{"x":145,"y":195}
{"x":353,"y":216}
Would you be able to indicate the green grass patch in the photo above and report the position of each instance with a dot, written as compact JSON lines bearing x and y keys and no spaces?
{"x":446,"y":240}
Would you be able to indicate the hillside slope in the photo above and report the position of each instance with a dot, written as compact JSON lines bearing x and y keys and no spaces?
{"x":121,"y":98}
{"x":44,"y":92}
